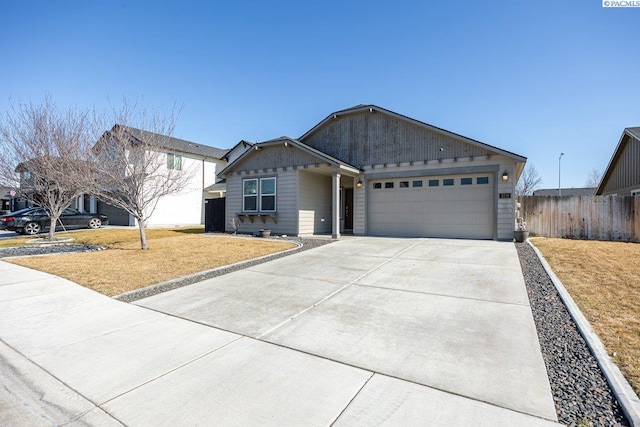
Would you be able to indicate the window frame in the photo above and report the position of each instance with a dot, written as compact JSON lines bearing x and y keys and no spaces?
{"x":244,"y":196}
{"x":174,"y":161}
{"x":261,"y":194}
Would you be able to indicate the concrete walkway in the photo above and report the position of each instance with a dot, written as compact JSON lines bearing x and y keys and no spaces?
{"x":364,"y":331}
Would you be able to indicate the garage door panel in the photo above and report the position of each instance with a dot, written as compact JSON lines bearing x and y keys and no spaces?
{"x":462,"y":211}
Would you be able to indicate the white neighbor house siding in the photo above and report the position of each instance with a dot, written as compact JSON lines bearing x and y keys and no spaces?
{"x":187,"y":206}
{"x":314,"y":203}
{"x":286,"y":203}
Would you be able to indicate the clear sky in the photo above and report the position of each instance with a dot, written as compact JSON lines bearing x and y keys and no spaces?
{"x":534,"y":77}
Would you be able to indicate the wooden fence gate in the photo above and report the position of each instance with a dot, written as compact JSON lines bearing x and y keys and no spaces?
{"x":214,"y":214}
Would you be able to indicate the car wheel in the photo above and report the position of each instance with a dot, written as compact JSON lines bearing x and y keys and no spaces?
{"x":31,"y":228}
{"x":95,"y":223}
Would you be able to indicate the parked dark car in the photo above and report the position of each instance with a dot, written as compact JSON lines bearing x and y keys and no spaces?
{"x":34,"y":220}
{"x":7,"y":220}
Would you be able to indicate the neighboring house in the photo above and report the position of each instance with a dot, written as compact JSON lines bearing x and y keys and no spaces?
{"x":622,"y":176}
{"x":586,"y":191}
{"x":5,"y":200}
{"x":369,"y":171}
{"x":219,"y":189}
{"x":187,"y":206}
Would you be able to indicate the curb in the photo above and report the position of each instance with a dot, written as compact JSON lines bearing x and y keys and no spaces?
{"x":627,"y":398}
{"x":204,"y":273}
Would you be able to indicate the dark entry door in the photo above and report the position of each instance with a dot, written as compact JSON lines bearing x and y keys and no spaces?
{"x":348,"y":208}
{"x":214,"y":215}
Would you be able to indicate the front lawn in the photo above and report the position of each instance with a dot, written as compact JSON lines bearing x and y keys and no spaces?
{"x":604,"y":280}
{"x":123,"y":266}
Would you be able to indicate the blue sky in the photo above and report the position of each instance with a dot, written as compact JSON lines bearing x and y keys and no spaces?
{"x":536,"y":78}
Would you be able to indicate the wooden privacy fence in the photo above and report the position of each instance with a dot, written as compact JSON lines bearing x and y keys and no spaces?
{"x":583,"y":217}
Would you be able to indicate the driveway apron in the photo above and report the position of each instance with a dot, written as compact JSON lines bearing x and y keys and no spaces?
{"x":443,"y":319}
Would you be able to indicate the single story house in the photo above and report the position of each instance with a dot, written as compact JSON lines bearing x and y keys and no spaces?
{"x":580,"y":191}
{"x":622,"y":176}
{"x":369,"y":171}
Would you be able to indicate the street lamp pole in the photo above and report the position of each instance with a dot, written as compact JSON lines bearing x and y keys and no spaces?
{"x":559,"y":188}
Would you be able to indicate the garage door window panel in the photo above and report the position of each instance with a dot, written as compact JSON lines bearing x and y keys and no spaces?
{"x":377,"y":185}
{"x":482,"y":180}
{"x":448,"y":182}
{"x":466,"y":181}
{"x":434,"y":183}
{"x":388,"y":185}
{"x":417,"y":184}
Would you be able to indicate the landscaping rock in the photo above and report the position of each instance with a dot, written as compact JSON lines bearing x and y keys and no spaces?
{"x":47,"y":249}
{"x":580,"y":390}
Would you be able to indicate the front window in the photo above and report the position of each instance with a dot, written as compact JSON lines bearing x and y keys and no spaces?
{"x":250,"y":195}
{"x":174,"y":161}
{"x":268,"y":194}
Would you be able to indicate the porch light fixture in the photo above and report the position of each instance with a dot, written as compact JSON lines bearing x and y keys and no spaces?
{"x":505,"y":176}
{"x":359,"y":184}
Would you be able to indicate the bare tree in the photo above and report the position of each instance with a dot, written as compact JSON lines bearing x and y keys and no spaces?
{"x":593,"y":179}
{"x":45,"y":155}
{"x":529,"y":181}
{"x":139,"y":165}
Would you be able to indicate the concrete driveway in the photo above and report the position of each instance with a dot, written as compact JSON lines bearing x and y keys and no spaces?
{"x":365,"y":331}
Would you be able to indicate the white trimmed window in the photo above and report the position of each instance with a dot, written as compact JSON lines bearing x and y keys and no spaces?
{"x":174,"y":161}
{"x":268,"y":194}
{"x":250,"y":195}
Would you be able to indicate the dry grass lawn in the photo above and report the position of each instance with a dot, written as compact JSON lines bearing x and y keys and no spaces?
{"x":124,"y":267}
{"x":604,"y":280}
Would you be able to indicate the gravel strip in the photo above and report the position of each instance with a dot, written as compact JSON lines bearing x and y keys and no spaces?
{"x":47,"y":249}
{"x":307,"y":243}
{"x":580,"y":390}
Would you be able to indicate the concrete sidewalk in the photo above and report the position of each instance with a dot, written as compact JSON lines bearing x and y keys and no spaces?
{"x":70,"y":354}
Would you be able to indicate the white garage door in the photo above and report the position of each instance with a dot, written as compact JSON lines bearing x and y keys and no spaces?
{"x":455,"y":206}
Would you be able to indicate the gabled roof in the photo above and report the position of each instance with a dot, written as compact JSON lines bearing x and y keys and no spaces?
{"x":295,"y":143}
{"x":239,"y":144}
{"x":361,"y":108}
{"x":633,"y":132}
{"x":171,"y":143}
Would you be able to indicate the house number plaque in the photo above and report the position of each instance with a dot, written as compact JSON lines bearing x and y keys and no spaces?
{"x":505,"y":195}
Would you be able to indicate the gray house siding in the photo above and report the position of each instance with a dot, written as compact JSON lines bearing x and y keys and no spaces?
{"x":276,"y":156}
{"x":366,"y":138}
{"x":314,"y":203}
{"x":286,"y":203}
{"x":624,"y":175}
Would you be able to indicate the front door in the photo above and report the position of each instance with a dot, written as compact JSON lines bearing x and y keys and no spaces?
{"x":348,"y":209}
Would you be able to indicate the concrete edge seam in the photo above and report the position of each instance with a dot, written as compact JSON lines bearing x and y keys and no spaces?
{"x":624,"y":393}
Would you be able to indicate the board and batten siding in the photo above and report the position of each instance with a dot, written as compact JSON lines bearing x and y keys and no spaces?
{"x":625,"y":175}
{"x":314,"y":203}
{"x":376,"y":138}
{"x":275,"y":157}
{"x":286,"y":203}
